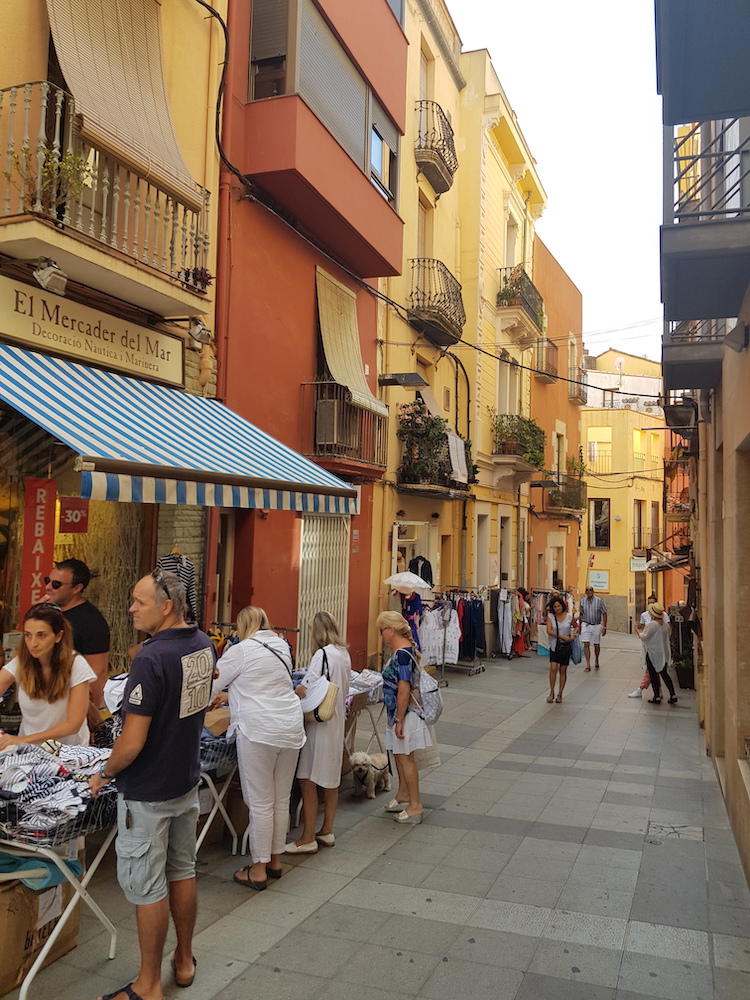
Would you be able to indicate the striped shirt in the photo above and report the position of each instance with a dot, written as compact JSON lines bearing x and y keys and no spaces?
{"x":592,"y":609}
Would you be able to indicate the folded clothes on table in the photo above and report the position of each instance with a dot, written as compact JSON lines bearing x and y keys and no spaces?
{"x":10,"y":864}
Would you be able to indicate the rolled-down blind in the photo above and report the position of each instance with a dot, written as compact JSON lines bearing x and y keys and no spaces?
{"x":385,"y":127}
{"x":110,"y":52}
{"x":268,"y":30}
{"x":337,"y":312}
{"x":330,"y":84}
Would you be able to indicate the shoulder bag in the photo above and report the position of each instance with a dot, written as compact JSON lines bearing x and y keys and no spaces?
{"x":326,"y":709}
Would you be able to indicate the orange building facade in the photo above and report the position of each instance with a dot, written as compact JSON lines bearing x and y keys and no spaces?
{"x":556,"y":511}
{"x":312,"y":117}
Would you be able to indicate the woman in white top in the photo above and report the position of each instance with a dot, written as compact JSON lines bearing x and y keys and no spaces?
{"x":562,"y":629}
{"x":53,"y":681}
{"x":266,"y":719}
{"x":320,"y":760}
{"x":655,"y":639}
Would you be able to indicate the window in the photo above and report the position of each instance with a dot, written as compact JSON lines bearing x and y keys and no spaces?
{"x":446,"y":399}
{"x":382,"y":165}
{"x":639,"y":532}
{"x":268,"y":45}
{"x":608,"y":400}
{"x":598,"y":524}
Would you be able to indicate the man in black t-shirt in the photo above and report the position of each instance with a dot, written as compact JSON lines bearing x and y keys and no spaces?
{"x":65,"y":586}
{"x":156,"y":761}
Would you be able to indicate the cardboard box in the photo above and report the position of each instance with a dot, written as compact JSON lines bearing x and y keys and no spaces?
{"x":27,"y":918}
{"x":217,"y":720}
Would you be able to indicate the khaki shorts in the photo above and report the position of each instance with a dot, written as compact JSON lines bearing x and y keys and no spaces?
{"x":155,"y":845}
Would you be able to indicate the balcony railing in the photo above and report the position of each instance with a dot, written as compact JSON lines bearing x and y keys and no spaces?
{"x":513,"y":434}
{"x":677,"y":504}
{"x":569,"y":494}
{"x":336,"y":429}
{"x":703,"y":331}
{"x":49,"y":172}
{"x":639,"y":460}
{"x":545,"y":360}
{"x":599,"y":461}
{"x":426,"y":459}
{"x":435,"y":151}
{"x":517,"y":289}
{"x":645,"y":538}
{"x":711,"y":171}
{"x":577,"y":388}
{"x":437,"y":308}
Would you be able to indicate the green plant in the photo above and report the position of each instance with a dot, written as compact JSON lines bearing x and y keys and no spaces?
{"x":513,"y":434}
{"x":471,"y":468}
{"x":575,"y":465}
{"x":52,"y":184}
{"x":425,"y":441}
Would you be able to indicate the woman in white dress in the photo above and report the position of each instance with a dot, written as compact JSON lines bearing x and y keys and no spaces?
{"x":266,"y":718}
{"x":655,"y":639}
{"x":53,"y":681}
{"x":320,"y":761}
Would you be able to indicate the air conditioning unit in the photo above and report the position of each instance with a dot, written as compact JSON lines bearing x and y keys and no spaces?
{"x":327,"y":429}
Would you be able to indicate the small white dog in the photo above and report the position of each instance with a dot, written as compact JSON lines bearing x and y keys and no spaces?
{"x":371,"y":773}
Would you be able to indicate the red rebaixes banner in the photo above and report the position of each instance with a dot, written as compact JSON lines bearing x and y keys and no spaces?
{"x":38,"y":540}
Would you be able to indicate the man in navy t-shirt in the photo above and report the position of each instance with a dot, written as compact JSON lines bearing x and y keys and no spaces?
{"x":157,"y":764}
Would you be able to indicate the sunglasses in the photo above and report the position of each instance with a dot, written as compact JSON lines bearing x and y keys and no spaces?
{"x":55,"y":584}
{"x":159,"y":577}
{"x":42,"y":606}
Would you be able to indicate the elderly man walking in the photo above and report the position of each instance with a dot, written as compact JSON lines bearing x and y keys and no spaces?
{"x":156,"y":762}
{"x":593,"y":613}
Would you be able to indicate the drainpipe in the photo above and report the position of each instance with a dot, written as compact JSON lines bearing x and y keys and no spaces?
{"x":525,"y":226}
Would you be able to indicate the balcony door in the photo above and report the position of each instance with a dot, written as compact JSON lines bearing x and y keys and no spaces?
{"x":323,"y":575}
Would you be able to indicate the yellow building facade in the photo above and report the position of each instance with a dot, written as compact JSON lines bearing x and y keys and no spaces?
{"x":624,"y":478}
{"x":469,"y":196}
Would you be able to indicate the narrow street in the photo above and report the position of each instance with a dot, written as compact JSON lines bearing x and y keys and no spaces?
{"x":576,"y":851}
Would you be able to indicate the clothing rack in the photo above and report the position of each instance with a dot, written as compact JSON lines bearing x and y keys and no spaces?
{"x":450,"y":593}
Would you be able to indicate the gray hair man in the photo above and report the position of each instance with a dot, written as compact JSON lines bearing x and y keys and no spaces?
{"x":593,"y":612}
{"x":156,"y":762}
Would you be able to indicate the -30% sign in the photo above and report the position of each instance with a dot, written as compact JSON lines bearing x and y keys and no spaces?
{"x":74,"y":515}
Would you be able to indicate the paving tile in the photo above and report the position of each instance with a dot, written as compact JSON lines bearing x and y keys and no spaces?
{"x":271,"y":984}
{"x":310,"y":883}
{"x":732,"y":952}
{"x":453,"y":978}
{"x":466,"y":881}
{"x":516,"y":889}
{"x":557,"y":831}
{"x":550,"y":849}
{"x":583,"y":963}
{"x":387,"y":965}
{"x":553,"y":870}
{"x":333,"y":990}
{"x":588,"y":899}
{"x":728,"y":894}
{"x":349,"y":922}
{"x":243,"y":940}
{"x":663,"y":941}
{"x":517,"y":918}
{"x":612,"y":856}
{"x":734,"y":920}
{"x":726,"y":871}
{"x":488,"y":841}
{"x":662,"y":977}
{"x":310,"y":954}
{"x":481,"y":861}
{"x":536,"y":987}
{"x":276,"y":908}
{"x":409,"y":849}
{"x":388,"y":869}
{"x":429,"y":903}
{"x":430,"y":936}
{"x":487,"y":947}
{"x":623,"y":819}
{"x":603,"y":877}
{"x":730,"y":985}
{"x":586,"y":928}
{"x":517,"y":805}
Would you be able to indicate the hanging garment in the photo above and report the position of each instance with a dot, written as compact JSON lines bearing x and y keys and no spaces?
{"x":181,"y":567}
{"x":422,"y":567}
{"x":411,"y":609}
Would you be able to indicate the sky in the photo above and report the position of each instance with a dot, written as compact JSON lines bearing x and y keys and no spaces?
{"x":581,"y":77}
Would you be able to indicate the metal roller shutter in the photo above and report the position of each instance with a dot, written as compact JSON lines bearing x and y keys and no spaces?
{"x":323,"y":576}
{"x":269,"y":29}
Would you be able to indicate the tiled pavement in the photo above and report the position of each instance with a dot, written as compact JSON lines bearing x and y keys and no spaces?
{"x":571,"y":851}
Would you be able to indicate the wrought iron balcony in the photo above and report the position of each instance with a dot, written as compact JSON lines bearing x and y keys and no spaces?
{"x":520,"y":306}
{"x":599,"y":460}
{"x":437,"y":308}
{"x":677,"y":503}
{"x":568,"y":495}
{"x":513,"y":434}
{"x":426,"y":459}
{"x":50,"y":173}
{"x":545,"y":361}
{"x":336,"y":430}
{"x":435,"y":151}
{"x":577,"y":388}
{"x":645,"y":538}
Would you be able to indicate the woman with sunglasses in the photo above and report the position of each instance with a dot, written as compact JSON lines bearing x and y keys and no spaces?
{"x":406,"y":730}
{"x":53,"y":681}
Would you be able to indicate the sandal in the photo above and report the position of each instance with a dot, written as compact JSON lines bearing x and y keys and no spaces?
{"x":248,"y":882}
{"x":673,"y":700}
{"x":558,"y":699}
{"x":587,"y":670}
{"x":185,"y":985}
{"x":550,"y":699}
{"x":654,"y":701}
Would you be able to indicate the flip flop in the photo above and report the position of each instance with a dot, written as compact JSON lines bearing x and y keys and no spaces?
{"x":127,"y":990}
{"x":550,"y":699}
{"x":184,"y":986}
{"x":587,"y":670}
{"x":558,"y":699}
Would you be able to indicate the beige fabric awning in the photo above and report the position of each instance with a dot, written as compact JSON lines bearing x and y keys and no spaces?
{"x":337,"y":312}
{"x":456,"y":448}
{"x":430,"y":401}
{"x":110,"y":52}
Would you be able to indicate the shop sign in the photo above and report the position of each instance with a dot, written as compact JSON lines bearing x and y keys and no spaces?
{"x":74,"y":515}
{"x":599,"y":579}
{"x":38,"y":539}
{"x":638,"y":564}
{"x":36,"y":318}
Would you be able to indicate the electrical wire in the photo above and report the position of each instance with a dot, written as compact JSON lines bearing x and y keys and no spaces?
{"x":253,"y":194}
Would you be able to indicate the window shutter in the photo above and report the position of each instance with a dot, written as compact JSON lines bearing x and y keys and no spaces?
{"x":330,"y":84}
{"x":386,"y":129}
{"x":269,"y":29}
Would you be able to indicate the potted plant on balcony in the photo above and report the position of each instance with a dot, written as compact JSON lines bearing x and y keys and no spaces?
{"x":48,"y":188}
{"x":424,"y":438}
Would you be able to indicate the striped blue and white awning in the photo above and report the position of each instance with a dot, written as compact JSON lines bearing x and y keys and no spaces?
{"x":145,"y":443}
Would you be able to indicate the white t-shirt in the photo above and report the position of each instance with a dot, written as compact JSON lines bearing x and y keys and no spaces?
{"x":38,"y":714}
{"x":646,"y":618}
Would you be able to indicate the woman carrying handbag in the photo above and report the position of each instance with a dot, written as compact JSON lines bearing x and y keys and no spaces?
{"x":561,"y":628}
